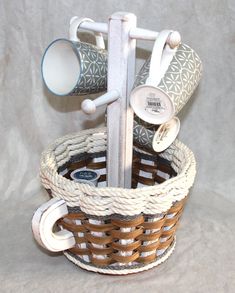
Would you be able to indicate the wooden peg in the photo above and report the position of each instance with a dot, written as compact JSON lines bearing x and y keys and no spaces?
{"x":89,"y":106}
{"x":174,"y":39}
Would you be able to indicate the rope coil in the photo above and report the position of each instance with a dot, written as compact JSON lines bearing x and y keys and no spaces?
{"x":103,"y":201}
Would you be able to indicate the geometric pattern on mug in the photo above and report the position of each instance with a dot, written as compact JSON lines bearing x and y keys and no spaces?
{"x":181,"y":77}
{"x":94,"y":67}
{"x":142,"y":135}
{"x":147,"y":125}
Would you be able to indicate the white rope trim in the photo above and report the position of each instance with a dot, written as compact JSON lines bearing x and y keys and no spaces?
{"x":121,"y":271}
{"x":106,"y":201}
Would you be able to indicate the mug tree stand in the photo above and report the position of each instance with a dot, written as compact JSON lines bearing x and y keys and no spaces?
{"x":121,"y":228}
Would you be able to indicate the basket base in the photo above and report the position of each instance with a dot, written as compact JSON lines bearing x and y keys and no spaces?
{"x":119,"y":270}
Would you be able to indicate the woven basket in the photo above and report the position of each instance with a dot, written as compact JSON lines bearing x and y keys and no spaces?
{"x":118,"y":231}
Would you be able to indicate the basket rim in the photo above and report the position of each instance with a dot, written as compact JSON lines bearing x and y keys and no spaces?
{"x":177,"y":143}
{"x":94,"y":140}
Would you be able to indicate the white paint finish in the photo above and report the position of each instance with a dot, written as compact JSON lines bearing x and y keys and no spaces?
{"x":43,"y":222}
{"x":157,"y":58}
{"x":121,"y":67}
{"x":135,"y":33}
{"x":76,"y":23}
{"x":167,"y":56}
{"x":148,"y":35}
{"x":93,"y":26}
{"x":89,"y":106}
{"x":174,"y":39}
{"x":143,"y":34}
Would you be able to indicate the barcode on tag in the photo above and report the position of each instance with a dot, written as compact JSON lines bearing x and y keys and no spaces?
{"x":154,"y":105}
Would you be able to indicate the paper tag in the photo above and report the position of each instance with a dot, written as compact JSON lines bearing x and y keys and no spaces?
{"x":154,"y":104}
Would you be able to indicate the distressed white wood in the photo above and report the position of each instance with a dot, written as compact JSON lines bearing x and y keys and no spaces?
{"x":174,"y":39}
{"x":43,"y":221}
{"x":148,"y":35}
{"x":122,"y":35}
{"x":89,"y":106}
{"x":93,"y":26}
{"x":135,"y":33}
{"x":121,"y":68}
{"x":143,"y":34}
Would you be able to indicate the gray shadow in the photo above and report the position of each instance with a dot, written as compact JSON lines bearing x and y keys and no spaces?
{"x":63,"y":104}
{"x":142,"y":53}
{"x":45,"y":251}
{"x":92,"y":122}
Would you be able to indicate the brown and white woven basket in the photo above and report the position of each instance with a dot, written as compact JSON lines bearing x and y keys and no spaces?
{"x":118,"y":231}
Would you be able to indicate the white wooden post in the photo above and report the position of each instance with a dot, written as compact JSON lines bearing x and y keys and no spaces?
{"x":122,"y":35}
{"x":121,"y":73}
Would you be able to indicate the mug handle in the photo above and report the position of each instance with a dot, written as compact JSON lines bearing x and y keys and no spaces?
{"x":43,"y":222}
{"x":75,"y":23}
{"x":156,"y":62}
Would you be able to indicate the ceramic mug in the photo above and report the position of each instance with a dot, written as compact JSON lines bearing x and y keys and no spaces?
{"x":155,"y":137}
{"x":72,"y":67}
{"x":166,"y":81}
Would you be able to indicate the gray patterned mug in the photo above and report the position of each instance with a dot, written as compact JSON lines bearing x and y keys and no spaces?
{"x":155,"y":137}
{"x":166,"y":81}
{"x":72,"y":67}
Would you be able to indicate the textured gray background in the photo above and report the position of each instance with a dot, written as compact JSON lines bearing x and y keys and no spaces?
{"x":204,"y":260}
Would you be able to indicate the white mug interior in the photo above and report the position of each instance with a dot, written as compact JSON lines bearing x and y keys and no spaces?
{"x":61,"y":67}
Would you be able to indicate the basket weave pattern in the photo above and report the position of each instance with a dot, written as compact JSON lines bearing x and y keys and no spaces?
{"x":117,"y":228}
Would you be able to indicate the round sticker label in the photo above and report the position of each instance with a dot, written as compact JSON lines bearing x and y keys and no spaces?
{"x":85,"y":175}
